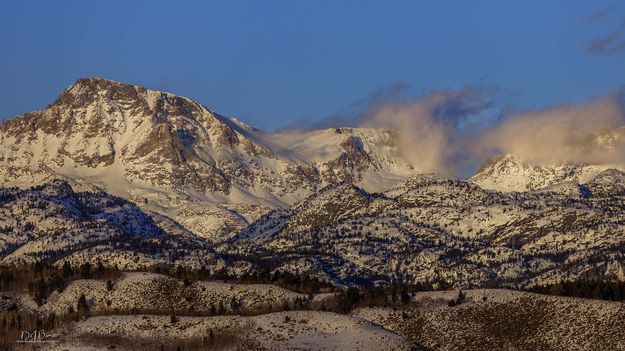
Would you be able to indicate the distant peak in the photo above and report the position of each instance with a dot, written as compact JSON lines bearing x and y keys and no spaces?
{"x":493,"y":160}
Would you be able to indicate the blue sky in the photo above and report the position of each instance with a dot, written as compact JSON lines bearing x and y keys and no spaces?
{"x":273,"y":63}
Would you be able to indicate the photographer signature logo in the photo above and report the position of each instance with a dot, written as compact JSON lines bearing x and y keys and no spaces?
{"x":34,"y":336}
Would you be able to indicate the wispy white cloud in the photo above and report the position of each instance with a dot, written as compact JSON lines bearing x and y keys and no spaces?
{"x":431,"y":131}
{"x":575,"y":133}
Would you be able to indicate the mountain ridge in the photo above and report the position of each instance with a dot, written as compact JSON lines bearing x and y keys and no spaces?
{"x":100,"y":129}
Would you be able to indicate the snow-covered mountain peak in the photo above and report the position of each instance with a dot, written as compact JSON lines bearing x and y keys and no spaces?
{"x":146,"y":144}
{"x":509,"y":173}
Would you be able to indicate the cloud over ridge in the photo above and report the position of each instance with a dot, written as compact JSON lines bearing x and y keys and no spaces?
{"x":454,"y":131}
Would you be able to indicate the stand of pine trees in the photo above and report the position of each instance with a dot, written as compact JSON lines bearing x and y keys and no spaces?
{"x":594,"y":289}
{"x":41,"y":279}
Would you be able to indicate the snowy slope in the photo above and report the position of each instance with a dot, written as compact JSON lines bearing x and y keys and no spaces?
{"x":296,"y":330}
{"x":161,"y":294}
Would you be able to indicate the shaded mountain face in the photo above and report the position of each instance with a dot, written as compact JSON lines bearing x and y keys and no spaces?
{"x":54,"y":223}
{"x":609,"y":183}
{"x":129,"y":139}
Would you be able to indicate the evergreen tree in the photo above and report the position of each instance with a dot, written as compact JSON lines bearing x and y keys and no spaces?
{"x":41,"y":292}
{"x":235,"y":304}
{"x":100,"y":269}
{"x":405,"y":298}
{"x":67,"y":270}
{"x":83,"y":306}
{"x":85,"y":270}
